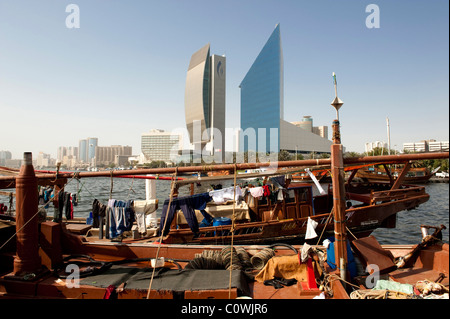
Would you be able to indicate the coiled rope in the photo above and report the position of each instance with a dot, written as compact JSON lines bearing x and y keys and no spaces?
{"x":260,"y":259}
{"x":379,"y":294}
{"x":234,"y":258}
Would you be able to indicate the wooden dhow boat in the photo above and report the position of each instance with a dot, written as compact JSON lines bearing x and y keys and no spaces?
{"x":38,"y":264}
{"x":270,"y":219}
{"x":418,"y":175}
{"x":47,"y":260}
{"x":281,"y":216}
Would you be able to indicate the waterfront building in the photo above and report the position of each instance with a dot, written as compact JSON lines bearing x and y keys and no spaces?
{"x":69,"y":161}
{"x":426,"y":146}
{"x":262,"y":98}
{"x":370,"y":146}
{"x":62,"y":151}
{"x":68,"y":152}
{"x":158,"y":145}
{"x":438,"y":146}
{"x":307,"y":124}
{"x":92,"y":143}
{"x":106,"y":155}
{"x":205,"y":102}
{"x":263,"y":128}
{"x":4,"y":156}
{"x":44,"y":160}
{"x":82,"y":151}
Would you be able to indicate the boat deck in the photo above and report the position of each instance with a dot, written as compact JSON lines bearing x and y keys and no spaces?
{"x":51,"y":287}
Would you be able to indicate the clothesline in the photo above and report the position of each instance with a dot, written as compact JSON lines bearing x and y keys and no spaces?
{"x":119,"y":216}
{"x":188,"y":204}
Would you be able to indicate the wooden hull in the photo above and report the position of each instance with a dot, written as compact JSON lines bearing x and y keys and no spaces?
{"x":361,"y":222}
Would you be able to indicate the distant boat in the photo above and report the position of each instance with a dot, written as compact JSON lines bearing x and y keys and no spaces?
{"x":420,"y":175}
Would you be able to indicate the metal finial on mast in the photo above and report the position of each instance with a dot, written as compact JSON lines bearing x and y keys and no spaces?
{"x":337,"y":102}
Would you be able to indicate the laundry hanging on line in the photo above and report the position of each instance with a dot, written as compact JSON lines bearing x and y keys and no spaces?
{"x":120,"y":217}
{"x":256,"y":192}
{"x":142,"y":208}
{"x":188,"y":205}
{"x":65,"y":204}
{"x":221,"y":196}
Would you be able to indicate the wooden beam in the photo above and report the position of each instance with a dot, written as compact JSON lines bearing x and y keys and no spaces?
{"x":402,"y":176}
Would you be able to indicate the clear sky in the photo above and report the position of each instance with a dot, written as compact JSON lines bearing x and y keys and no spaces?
{"x":123,"y":71}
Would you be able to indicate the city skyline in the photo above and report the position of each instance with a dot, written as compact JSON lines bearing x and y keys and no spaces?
{"x":123,"y":71}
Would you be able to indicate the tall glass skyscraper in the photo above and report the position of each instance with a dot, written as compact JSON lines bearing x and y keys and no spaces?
{"x":82,"y":151}
{"x":262,"y":99}
{"x":91,"y":145}
{"x":205,"y":101}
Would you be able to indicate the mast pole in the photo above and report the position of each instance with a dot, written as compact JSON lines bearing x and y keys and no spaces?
{"x":338,"y":180}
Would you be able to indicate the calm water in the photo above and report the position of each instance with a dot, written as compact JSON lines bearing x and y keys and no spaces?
{"x":434,"y":212}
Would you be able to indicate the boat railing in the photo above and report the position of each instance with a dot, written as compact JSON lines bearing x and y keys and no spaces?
{"x":396,"y":194}
{"x":241,"y":229}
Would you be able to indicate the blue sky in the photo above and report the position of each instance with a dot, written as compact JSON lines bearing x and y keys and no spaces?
{"x":123,"y":71}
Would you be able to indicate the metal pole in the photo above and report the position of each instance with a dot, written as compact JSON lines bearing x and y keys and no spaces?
{"x":389,"y":136}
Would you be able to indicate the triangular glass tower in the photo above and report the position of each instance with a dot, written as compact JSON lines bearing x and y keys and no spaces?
{"x":262,"y":99}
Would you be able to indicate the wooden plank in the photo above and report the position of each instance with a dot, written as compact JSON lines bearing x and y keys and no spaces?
{"x":371,"y":253}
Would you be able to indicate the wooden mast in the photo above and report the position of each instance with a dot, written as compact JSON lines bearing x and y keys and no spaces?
{"x":338,"y":180}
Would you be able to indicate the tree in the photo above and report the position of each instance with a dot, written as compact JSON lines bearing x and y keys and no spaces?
{"x":284,"y":156}
{"x":352,"y":154}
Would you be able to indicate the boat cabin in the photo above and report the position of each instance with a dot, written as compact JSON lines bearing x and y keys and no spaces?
{"x":297,"y":203}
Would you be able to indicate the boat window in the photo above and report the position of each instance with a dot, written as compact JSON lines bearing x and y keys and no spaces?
{"x":290,"y":196}
{"x":303,"y":194}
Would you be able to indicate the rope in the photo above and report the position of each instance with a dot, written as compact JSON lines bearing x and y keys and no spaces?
{"x":112,"y":184}
{"x":208,"y":259}
{"x":131,"y":188}
{"x":350,"y":232}
{"x":328,"y":279}
{"x":325,"y":225}
{"x":379,"y":294}
{"x":230,"y":259}
{"x":262,"y":257}
{"x":232,"y":229}
{"x":172,"y":186}
{"x":83,"y":186}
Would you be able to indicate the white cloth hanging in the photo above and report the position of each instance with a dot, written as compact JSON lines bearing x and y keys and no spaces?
{"x":256,"y":191}
{"x":310,"y":229}
{"x":319,"y":187}
{"x":305,"y":252}
{"x":220,"y":196}
{"x":141,"y":209}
